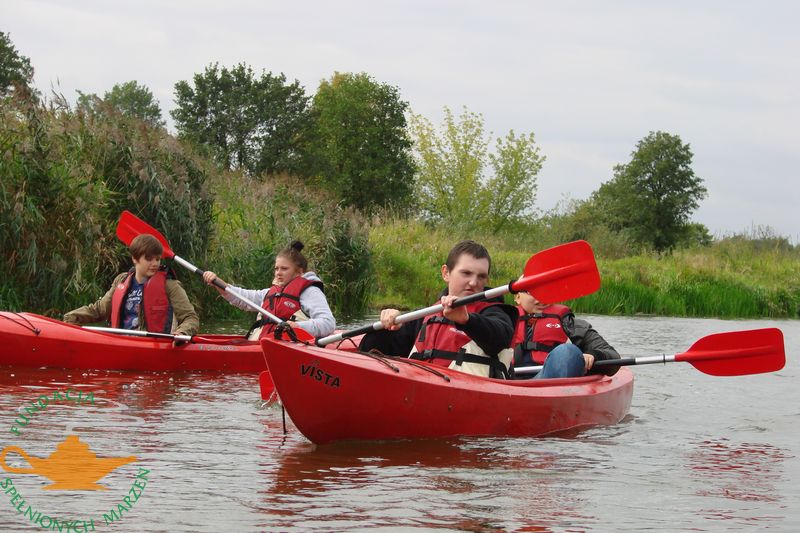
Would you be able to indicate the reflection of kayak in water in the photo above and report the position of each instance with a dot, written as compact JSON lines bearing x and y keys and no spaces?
{"x":34,"y":341}
{"x":307,"y":468}
{"x":333,"y":395}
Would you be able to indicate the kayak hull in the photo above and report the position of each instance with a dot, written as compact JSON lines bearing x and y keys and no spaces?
{"x":332,"y":395}
{"x":34,"y":341}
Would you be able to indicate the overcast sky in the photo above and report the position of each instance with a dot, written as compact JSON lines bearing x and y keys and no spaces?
{"x":590,"y":79}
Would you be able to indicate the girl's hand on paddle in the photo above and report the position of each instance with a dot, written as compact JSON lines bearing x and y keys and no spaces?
{"x":387,"y":319}
{"x":588,"y":361}
{"x":459,"y":315}
{"x":209,"y":277}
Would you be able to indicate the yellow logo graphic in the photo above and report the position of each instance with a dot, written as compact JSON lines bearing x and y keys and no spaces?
{"x":72,"y":466}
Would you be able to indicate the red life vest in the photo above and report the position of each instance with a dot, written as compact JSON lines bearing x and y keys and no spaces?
{"x":156,"y":308}
{"x":284,"y":302}
{"x":539,"y":333}
{"x":441,"y":343}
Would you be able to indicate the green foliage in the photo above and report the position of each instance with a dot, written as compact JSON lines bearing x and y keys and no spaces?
{"x":130,"y":99}
{"x":737,"y":277}
{"x":254,"y":220}
{"x":15,"y":69}
{"x":572,"y":220}
{"x":732,"y":278}
{"x":66,"y":177}
{"x":452,"y":185}
{"x":359,"y":147}
{"x":256,"y":124}
{"x":408,"y":256}
{"x":652,"y":196}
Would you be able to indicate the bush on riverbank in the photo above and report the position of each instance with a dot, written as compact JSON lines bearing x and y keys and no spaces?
{"x":66,"y":176}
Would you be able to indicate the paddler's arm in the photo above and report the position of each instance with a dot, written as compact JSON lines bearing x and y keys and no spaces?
{"x":397,"y":342}
{"x":585,"y":337}
{"x":186,"y":320}
{"x":99,"y":311}
{"x":493,"y":328}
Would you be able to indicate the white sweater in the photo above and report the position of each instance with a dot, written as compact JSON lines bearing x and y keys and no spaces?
{"x":313,"y":303}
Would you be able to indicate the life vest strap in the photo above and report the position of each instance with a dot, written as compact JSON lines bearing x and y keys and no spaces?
{"x":533,"y":346}
{"x":493,"y":362}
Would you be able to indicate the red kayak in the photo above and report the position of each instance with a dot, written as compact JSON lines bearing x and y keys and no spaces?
{"x":30,"y":340}
{"x":333,"y":395}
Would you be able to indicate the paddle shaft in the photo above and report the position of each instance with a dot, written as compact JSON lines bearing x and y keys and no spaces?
{"x":627,"y":361}
{"x":734,"y":353}
{"x":224,"y":286}
{"x":419,"y":313}
{"x":140,"y":333}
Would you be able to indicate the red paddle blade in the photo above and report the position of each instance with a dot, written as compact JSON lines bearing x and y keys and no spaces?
{"x":737,"y":353}
{"x":130,"y":226}
{"x":266,"y":385}
{"x":560,"y":273}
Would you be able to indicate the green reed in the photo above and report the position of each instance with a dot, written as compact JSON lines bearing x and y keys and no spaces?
{"x":66,"y":176}
{"x":735,"y":277}
{"x":255,"y":219}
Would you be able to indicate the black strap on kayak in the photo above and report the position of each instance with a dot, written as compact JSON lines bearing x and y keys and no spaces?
{"x":261,"y":322}
{"x":284,"y":328}
{"x":381,"y":357}
{"x":427,"y":368}
{"x":29,"y":325}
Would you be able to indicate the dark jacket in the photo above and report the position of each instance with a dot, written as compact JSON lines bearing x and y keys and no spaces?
{"x":492,"y":329}
{"x":582,"y":335}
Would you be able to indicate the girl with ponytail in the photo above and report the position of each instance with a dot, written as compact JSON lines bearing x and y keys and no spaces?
{"x":296,"y":294}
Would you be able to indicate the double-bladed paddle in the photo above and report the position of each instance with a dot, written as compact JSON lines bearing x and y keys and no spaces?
{"x":553,"y":275}
{"x":735,"y":353}
{"x":130,"y":226}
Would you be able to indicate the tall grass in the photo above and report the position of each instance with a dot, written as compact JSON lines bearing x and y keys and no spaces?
{"x":732,"y":278}
{"x":66,"y":176}
{"x":735,"y":277}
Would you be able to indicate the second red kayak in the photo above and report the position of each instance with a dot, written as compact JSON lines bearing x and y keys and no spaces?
{"x":33,"y":341}
{"x":332,"y":395}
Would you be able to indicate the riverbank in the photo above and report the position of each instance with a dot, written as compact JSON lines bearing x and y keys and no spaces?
{"x":736,"y":277}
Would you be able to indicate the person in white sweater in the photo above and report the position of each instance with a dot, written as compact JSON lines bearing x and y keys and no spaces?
{"x":295,"y":295}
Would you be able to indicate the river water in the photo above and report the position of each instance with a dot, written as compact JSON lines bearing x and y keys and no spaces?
{"x":696,"y":453}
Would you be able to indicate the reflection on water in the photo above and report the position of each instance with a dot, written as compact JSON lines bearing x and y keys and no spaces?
{"x":739,"y":471}
{"x":696,"y":452}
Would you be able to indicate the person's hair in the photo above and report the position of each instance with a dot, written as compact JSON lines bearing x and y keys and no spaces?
{"x":476,"y":250}
{"x":293,"y":254}
{"x":146,"y":245}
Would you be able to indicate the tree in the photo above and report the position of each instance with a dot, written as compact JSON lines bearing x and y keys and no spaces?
{"x":129,"y":99}
{"x":257,"y":124}
{"x":652,"y":196}
{"x":135,"y":100}
{"x":360,"y":147}
{"x":14,"y":68}
{"x":452,"y":183}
